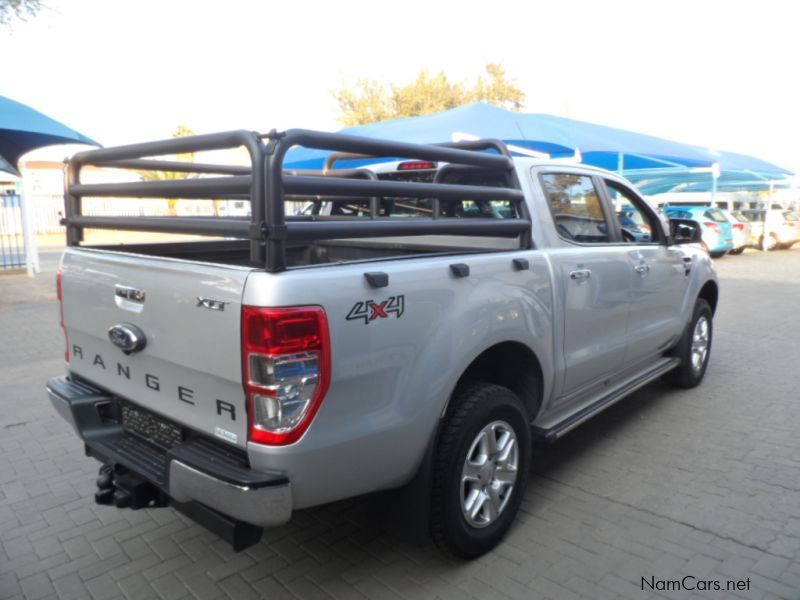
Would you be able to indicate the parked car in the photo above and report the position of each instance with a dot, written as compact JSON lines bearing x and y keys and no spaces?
{"x":783,"y":227}
{"x":740,"y":227}
{"x":496,"y":301}
{"x":717,"y":230}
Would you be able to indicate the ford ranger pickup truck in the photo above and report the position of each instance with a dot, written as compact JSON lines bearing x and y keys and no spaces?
{"x":417,"y":326}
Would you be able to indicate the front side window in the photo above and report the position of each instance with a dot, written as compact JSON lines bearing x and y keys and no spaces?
{"x":637,"y":224}
{"x":576,"y":208}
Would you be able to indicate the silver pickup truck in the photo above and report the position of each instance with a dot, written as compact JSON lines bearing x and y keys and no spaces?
{"x":418,"y":326}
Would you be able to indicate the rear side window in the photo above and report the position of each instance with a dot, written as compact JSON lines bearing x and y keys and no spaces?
{"x":576,"y":207}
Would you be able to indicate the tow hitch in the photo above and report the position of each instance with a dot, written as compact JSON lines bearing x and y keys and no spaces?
{"x":117,"y":486}
{"x":120,"y":487}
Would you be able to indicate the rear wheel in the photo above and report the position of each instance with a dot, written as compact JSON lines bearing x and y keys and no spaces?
{"x":736,"y":251}
{"x":717,"y":254}
{"x":480,"y":470}
{"x":694,"y":348}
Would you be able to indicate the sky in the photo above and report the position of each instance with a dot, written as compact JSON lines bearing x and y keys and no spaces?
{"x":722,"y":75}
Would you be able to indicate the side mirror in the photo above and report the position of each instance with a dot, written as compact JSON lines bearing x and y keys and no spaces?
{"x":685,"y":231}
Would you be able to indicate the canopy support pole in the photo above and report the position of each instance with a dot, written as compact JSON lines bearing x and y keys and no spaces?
{"x":28,"y":235}
{"x":715,"y":173}
{"x":620,"y":162}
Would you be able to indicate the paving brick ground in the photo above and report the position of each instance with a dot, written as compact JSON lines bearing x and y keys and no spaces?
{"x":665,"y":484}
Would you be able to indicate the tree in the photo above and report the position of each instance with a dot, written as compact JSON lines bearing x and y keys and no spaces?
{"x":18,"y":9}
{"x":368,"y":101}
{"x":172,"y":203}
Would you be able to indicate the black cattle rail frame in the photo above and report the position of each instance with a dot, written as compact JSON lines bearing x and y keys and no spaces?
{"x":266,"y":185}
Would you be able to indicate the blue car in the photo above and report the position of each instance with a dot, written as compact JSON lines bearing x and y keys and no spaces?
{"x":717,"y":230}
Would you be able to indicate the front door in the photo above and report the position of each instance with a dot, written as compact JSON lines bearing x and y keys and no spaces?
{"x":659,"y":276}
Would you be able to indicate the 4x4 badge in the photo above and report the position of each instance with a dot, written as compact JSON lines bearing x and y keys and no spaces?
{"x":369,"y":310}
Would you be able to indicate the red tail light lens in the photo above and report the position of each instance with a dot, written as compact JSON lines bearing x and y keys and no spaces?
{"x":286,"y":370}
{"x":713,"y":226}
{"x":739,"y":226}
{"x":60,"y":295}
{"x":416,"y":165}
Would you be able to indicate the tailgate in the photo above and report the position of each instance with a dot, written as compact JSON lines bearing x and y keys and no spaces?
{"x":189,"y":369}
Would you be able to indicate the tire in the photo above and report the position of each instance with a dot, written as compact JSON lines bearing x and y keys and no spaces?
{"x":479,"y":412}
{"x":737,"y":251}
{"x":717,"y":254}
{"x":690,"y":372}
{"x":772,"y":243}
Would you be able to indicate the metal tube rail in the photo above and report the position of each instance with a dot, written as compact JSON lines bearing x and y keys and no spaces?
{"x":339,"y":142}
{"x":306,"y":230}
{"x":298,"y":184}
{"x":485,"y":144}
{"x":179,"y":145}
{"x":206,"y":187}
{"x":227,"y":227}
{"x":386,"y":226}
{"x":175,"y":166}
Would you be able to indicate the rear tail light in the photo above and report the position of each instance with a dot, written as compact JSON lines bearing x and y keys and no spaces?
{"x":286,"y":370}
{"x":60,"y":295}
{"x":739,"y":226}
{"x":713,"y":226}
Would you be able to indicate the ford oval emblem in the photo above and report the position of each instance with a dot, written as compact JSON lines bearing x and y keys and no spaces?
{"x":128,"y":338}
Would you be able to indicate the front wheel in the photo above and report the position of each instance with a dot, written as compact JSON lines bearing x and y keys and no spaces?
{"x":717,"y":254}
{"x":736,"y":251}
{"x":480,"y":469}
{"x":694,"y":348}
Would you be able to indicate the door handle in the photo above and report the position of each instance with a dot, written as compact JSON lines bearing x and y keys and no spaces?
{"x":687,"y":265}
{"x":580,"y":274}
{"x":642,"y":269}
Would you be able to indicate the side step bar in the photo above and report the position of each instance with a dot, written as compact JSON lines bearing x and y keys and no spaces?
{"x":551,"y":434}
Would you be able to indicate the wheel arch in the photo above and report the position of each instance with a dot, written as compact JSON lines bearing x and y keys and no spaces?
{"x":512,"y":365}
{"x":710,"y":293}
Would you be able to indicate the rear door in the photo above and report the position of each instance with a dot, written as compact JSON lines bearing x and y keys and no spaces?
{"x":189,"y":314}
{"x":594,"y":276}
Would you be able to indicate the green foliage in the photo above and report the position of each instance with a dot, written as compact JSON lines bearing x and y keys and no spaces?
{"x":180,"y":131}
{"x":18,"y":9}
{"x":369,"y":101}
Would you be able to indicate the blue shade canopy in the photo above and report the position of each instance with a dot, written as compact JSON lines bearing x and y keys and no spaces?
{"x":598,"y":145}
{"x":23,"y":129}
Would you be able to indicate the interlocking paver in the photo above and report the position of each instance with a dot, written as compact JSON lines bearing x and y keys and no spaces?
{"x":663,"y":484}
